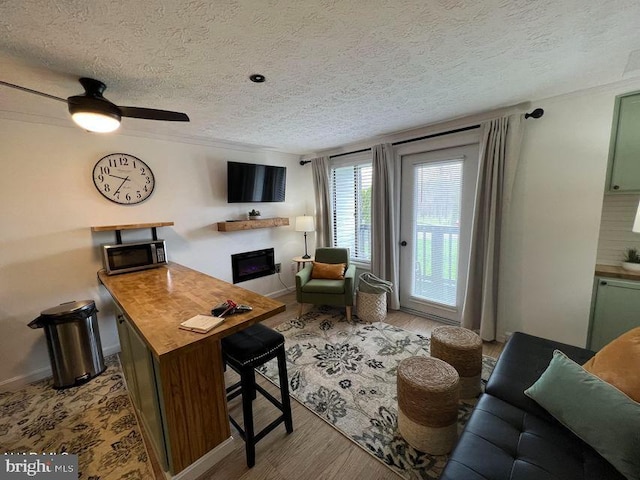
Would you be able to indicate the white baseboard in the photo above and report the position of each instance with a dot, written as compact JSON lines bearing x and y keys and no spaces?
{"x":280,"y":292}
{"x":111,"y":350}
{"x":20,"y":381}
{"x":504,"y":338}
{"x":204,"y":463}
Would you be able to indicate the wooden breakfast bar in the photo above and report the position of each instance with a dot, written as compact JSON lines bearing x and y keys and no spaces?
{"x":175,"y":377}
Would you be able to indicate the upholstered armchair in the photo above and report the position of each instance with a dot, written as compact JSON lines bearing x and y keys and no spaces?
{"x":326,"y":291}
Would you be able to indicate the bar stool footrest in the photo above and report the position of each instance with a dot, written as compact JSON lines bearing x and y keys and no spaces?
{"x":276,"y":403}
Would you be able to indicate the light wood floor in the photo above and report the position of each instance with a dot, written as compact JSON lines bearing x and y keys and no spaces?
{"x":314,"y":450}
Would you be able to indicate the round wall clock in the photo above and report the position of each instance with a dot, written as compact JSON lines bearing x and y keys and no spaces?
{"x":123,"y":178}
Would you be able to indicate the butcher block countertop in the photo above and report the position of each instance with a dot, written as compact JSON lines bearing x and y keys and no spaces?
{"x":158,"y":300}
{"x":612,"y":271}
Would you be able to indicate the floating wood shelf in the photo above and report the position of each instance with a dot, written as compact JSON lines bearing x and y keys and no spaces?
{"x":252,"y":224}
{"x":131,"y":226}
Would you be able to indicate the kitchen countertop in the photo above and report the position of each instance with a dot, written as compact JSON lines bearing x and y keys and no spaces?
{"x":613,"y":271}
{"x":159,"y":299}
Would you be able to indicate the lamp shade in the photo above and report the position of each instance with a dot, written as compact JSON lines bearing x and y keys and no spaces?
{"x":636,"y":222}
{"x":305,"y":224}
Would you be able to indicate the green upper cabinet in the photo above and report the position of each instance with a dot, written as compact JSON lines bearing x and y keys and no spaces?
{"x":623,"y":175}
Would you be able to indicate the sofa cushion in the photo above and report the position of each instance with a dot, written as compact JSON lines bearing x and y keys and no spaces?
{"x":324,"y":286}
{"x":504,"y":442}
{"x":617,"y":363}
{"x":594,"y":410}
{"x":524,"y":358}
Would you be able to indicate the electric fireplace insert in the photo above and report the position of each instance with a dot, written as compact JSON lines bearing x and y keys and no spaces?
{"x":249,"y":265}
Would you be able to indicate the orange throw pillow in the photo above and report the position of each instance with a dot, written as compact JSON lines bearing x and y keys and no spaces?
{"x":618,"y":363}
{"x":328,"y":271}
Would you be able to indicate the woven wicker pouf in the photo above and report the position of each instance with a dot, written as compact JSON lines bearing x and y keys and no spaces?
{"x":462,"y":349}
{"x":428,"y":404}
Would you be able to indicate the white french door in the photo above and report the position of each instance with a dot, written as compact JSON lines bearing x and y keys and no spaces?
{"x":438,"y":192}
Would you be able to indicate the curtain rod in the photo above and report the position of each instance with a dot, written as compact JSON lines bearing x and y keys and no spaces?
{"x":537,"y":113}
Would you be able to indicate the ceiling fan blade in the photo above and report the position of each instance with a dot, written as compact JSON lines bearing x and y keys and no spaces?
{"x":153,"y":114}
{"x":24,"y":89}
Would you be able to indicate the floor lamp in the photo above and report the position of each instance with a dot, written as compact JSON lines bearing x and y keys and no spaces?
{"x":305,"y":224}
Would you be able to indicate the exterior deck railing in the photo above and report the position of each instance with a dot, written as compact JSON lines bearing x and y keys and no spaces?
{"x":436,"y":263}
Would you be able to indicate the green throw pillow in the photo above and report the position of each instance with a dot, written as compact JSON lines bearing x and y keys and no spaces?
{"x":594,"y":410}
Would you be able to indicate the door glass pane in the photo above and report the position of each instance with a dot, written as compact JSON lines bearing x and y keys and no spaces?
{"x":437,"y":194}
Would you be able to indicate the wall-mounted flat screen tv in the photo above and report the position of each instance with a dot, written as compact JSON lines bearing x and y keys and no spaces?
{"x":248,"y":182}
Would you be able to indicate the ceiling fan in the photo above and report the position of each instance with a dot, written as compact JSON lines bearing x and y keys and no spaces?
{"x":95,"y":113}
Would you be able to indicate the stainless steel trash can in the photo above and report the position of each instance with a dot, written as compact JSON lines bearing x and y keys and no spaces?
{"x":73,"y":341}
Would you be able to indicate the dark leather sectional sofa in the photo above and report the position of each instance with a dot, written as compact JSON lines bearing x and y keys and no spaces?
{"x":510,"y":437}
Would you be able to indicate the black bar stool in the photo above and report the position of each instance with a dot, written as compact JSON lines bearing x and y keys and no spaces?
{"x":243,"y":352}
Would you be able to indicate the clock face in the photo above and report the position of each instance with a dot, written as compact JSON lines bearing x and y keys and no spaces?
{"x":123,"y":178}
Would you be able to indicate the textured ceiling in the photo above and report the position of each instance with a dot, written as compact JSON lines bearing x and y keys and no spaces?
{"x":337,"y":71}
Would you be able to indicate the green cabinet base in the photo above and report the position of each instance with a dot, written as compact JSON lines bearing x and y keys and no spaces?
{"x":615,"y":311}
{"x":140,"y":369}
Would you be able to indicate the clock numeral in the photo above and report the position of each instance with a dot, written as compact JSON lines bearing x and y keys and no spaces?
{"x":148,"y":180}
{"x":124,"y":161}
{"x":146,"y":189}
{"x":113,"y":162}
{"x":128,"y":197}
{"x":134,"y":164}
{"x":105,"y":170}
{"x":101,"y":178}
{"x":117,"y":195}
{"x":138,"y":194}
{"x":106,"y":187}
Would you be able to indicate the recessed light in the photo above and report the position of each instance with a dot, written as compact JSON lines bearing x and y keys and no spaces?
{"x":257,"y":78}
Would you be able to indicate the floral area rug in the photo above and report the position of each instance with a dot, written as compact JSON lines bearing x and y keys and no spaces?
{"x":96,"y":421}
{"x":345,"y":372}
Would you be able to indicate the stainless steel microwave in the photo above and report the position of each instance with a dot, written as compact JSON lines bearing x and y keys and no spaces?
{"x":130,"y":257}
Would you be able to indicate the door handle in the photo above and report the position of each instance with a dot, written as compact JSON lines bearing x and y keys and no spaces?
{"x":403,"y":243}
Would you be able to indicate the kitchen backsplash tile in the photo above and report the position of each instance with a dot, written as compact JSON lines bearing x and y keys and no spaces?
{"x":618,"y":212}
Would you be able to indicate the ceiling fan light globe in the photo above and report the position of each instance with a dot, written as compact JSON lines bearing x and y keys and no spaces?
{"x":96,"y":122}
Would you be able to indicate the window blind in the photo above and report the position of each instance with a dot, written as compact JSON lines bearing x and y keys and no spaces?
{"x":351,"y":205}
{"x":437,"y":194}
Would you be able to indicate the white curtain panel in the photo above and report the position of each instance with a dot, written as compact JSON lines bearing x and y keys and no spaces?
{"x":499,"y":154}
{"x":385,"y":218}
{"x":320,"y":169}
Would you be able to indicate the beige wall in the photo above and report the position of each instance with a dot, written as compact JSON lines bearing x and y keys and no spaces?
{"x":549,"y":252}
{"x":48,"y":255}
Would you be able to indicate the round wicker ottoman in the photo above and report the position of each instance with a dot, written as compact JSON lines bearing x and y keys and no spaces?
{"x":462,"y":349}
{"x":428,"y":404}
